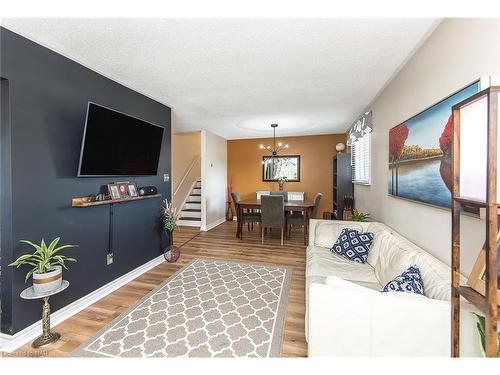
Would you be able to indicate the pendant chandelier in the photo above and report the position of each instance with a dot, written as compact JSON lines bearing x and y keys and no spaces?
{"x":276,"y":148}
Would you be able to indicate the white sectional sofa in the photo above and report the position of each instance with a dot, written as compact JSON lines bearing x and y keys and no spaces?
{"x":347,"y":315}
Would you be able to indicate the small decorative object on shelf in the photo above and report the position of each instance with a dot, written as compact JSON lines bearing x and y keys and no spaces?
{"x":46,"y":265}
{"x":169,"y":216}
{"x":360,"y":216}
{"x":340,"y":147}
{"x":281,"y":182}
{"x":327,"y":215}
{"x":132,"y":190}
{"x":114,"y":191}
{"x":348,"y":203}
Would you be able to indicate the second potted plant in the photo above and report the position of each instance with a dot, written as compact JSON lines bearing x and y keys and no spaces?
{"x":169,"y":216}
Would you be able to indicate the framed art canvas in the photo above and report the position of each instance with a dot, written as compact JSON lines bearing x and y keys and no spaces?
{"x":420,"y":153}
{"x":274,"y":167}
{"x":114,"y":192}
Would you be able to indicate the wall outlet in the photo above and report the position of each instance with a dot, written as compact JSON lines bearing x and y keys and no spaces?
{"x":166,"y":177}
{"x":109,"y":259}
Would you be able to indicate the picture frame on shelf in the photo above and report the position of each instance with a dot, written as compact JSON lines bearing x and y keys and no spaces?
{"x":132,"y":190}
{"x":114,"y":191}
{"x":123,"y":189}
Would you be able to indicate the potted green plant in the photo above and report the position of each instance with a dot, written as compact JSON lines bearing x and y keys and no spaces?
{"x":360,"y":216}
{"x":46,"y":264}
{"x":481,"y":327}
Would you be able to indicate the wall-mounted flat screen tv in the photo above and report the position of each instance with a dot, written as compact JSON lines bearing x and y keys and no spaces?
{"x":116,"y":144}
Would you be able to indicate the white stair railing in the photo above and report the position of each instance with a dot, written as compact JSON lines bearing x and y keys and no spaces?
{"x":183,"y":189}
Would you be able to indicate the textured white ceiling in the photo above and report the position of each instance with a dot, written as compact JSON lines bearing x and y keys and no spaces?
{"x":237,"y":76}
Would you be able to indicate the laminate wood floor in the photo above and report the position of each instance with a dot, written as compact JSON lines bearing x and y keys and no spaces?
{"x":218,"y":243}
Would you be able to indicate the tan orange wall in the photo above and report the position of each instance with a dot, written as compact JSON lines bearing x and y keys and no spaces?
{"x":244,"y":166}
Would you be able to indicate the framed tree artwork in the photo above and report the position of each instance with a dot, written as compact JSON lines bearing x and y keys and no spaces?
{"x":420,"y":153}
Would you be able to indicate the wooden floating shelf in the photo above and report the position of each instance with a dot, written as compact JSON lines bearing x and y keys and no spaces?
{"x":475,"y":298}
{"x":84,"y":202}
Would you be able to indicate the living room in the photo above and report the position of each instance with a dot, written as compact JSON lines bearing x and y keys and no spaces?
{"x":250,"y":187}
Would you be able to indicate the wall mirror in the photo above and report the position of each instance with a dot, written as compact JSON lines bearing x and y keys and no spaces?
{"x":274,"y":167}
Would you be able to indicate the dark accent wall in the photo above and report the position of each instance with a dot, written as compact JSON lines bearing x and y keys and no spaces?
{"x":44,"y":102}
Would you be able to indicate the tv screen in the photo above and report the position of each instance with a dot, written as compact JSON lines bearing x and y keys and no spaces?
{"x":115,"y":144}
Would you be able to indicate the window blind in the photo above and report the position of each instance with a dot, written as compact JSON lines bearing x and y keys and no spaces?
{"x":361,"y":159}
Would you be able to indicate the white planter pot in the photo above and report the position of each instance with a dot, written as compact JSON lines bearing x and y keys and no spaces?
{"x":48,"y":281}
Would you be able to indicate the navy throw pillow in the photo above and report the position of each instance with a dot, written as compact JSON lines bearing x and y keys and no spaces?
{"x":353,"y":245}
{"x":410,"y":281}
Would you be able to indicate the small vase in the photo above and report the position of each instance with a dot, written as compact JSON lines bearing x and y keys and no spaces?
{"x":171,"y":253}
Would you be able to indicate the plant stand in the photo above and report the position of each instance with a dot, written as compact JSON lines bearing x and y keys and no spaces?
{"x":47,"y":337}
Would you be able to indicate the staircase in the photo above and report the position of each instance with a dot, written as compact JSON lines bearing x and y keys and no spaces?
{"x":191,"y":211}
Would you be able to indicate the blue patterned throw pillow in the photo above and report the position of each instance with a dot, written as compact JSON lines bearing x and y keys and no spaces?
{"x":353,"y":245}
{"x":410,"y":281}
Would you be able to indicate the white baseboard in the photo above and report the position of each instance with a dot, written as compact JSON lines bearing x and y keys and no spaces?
{"x":214,"y":224}
{"x":9,"y":343}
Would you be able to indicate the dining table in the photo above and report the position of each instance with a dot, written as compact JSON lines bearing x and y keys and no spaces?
{"x":304,"y":206}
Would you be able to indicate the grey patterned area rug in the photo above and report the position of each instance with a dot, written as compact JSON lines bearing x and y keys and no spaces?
{"x":207,"y":309}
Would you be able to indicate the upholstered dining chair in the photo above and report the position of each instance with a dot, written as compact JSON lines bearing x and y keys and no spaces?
{"x":283,"y":193}
{"x":246,"y":217}
{"x":273,"y":214}
{"x":297,"y":218}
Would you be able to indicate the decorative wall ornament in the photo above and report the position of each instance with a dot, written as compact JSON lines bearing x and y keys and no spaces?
{"x":360,"y":127}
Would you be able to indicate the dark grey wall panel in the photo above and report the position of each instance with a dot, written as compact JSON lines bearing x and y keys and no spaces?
{"x":48,"y":101}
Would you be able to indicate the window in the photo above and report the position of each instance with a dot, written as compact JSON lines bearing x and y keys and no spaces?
{"x":361,"y":159}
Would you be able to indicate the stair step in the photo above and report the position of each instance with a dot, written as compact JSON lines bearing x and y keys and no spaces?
{"x":195,"y":195}
{"x":192,"y":205}
{"x":191,"y":213}
{"x":191,"y":218}
{"x":191,"y":210}
{"x":189,"y":223}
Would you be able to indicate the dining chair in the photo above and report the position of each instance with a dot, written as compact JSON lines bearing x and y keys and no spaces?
{"x":246,"y":217}
{"x":283,"y":193}
{"x":297,"y":218}
{"x":273,"y":214}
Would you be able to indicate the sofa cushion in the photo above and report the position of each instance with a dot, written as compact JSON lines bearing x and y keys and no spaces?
{"x":410,"y":281}
{"x":322,"y":263}
{"x":395,"y":258}
{"x":342,"y":283}
{"x":353,"y":245}
{"x":327,"y":232}
{"x":436,"y":276}
{"x":382,"y":235}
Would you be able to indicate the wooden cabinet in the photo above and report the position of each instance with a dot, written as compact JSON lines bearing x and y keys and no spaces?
{"x":342,"y":182}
